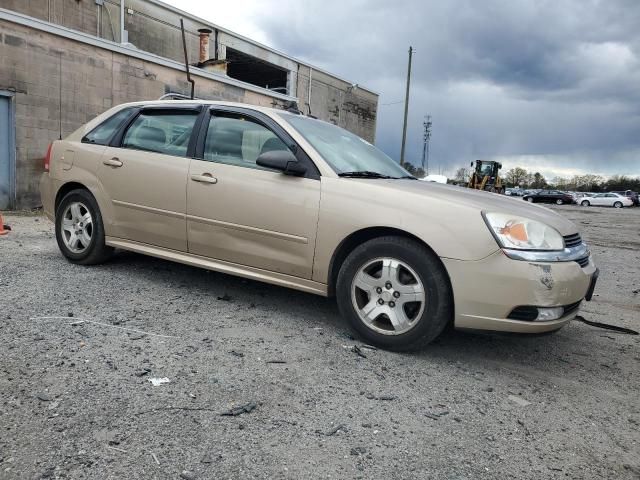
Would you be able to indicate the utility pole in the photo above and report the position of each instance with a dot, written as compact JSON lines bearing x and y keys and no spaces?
{"x":406,"y":108}
{"x":425,"y":146}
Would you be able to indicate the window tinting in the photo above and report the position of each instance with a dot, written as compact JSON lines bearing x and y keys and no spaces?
{"x":237,"y":140}
{"x":161,"y":132}
{"x":102,"y":134}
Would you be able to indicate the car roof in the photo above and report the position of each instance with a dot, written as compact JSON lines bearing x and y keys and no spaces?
{"x":196,"y":101}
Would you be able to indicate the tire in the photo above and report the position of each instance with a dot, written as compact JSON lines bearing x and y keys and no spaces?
{"x":87,"y":247}
{"x":585,"y":203}
{"x":559,"y":201}
{"x":424,"y":320}
{"x":617,"y":205}
{"x":530,"y":199}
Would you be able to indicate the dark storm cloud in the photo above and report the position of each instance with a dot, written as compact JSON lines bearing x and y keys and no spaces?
{"x":557,"y":79}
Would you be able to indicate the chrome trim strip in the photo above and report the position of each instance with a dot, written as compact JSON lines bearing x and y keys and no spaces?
{"x":144,"y":208}
{"x":246,"y":228}
{"x":567,"y":255}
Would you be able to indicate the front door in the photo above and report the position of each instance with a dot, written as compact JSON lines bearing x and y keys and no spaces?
{"x":6,"y":153}
{"x":145,"y":178}
{"x":242,"y":213}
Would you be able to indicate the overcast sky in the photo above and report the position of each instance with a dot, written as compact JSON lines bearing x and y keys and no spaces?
{"x":548,"y":85}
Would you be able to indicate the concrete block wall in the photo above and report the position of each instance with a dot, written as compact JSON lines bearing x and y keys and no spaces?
{"x":47,"y":71}
{"x":336,"y":101}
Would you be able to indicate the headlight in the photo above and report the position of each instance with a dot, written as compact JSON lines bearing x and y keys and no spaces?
{"x":520,"y":233}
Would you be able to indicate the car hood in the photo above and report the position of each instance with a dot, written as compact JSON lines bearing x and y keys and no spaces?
{"x":479,"y":200}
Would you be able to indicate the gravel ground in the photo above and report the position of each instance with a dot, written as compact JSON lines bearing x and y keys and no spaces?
{"x":76,"y":399}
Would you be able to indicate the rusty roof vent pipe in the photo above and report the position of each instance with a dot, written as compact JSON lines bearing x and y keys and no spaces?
{"x":204,"y":44}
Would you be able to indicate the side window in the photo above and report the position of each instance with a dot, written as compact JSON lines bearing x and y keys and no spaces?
{"x":238,"y":140}
{"x":161,"y":131}
{"x":102,"y":134}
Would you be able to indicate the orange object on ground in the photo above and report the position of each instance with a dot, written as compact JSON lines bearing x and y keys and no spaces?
{"x":4,"y":229}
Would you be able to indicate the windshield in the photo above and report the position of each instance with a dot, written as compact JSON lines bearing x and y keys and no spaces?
{"x":342,"y":150}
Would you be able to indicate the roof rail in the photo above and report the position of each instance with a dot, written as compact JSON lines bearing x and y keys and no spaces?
{"x":176,"y":96}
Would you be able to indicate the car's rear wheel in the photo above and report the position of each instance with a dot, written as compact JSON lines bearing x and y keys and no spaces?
{"x":585,"y":203}
{"x":79,"y":229}
{"x":530,"y":199}
{"x":395,"y":293}
{"x":617,"y":204}
{"x":559,"y":201}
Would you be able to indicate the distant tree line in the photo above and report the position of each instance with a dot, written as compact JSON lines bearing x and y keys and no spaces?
{"x":413,"y":170}
{"x":520,"y":177}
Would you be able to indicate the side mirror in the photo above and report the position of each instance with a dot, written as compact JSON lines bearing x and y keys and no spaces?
{"x":282,"y":160}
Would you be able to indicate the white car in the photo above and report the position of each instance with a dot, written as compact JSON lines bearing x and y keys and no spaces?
{"x":607,"y":200}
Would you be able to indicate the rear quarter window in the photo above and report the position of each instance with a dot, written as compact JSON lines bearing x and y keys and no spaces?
{"x":103,"y":133}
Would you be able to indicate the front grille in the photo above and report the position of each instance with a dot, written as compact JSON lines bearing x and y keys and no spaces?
{"x":583,"y":262}
{"x":572,"y":308}
{"x":572,"y":240}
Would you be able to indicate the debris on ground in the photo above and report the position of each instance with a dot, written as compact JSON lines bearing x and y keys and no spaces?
{"x":43,"y":397}
{"x":225,"y":298}
{"x":236,"y":353}
{"x":356,"y":349}
{"x":358,"y":451}
{"x":239,"y":410}
{"x":186,"y":475}
{"x":156,"y":382}
{"x":521,"y":402}
{"x":143,"y":372}
{"x":335,"y":430}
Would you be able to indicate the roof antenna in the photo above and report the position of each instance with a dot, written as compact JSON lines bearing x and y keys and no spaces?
{"x":186,"y":59}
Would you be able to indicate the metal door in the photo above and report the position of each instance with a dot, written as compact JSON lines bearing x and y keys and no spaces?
{"x":6,"y":153}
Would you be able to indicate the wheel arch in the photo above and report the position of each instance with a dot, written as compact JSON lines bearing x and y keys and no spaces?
{"x":65,"y":189}
{"x":353,"y":240}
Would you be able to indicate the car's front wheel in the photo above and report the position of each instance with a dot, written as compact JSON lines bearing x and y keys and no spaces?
{"x":79,"y":229}
{"x":530,"y":199}
{"x":617,"y":204}
{"x":585,"y":203}
{"x":559,"y":201}
{"x":395,"y":293}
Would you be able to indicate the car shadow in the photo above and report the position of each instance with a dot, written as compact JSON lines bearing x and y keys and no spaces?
{"x":452,"y":346}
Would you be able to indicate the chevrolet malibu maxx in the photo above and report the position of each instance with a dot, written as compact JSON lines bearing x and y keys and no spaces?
{"x":279,"y":197}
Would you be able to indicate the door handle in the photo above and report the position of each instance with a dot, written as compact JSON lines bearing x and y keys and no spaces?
{"x":112,"y":162}
{"x":204,"y":178}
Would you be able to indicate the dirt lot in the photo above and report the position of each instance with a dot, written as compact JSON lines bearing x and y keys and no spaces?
{"x":76,"y":400}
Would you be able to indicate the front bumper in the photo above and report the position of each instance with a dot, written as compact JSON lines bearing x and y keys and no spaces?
{"x":486,"y":291}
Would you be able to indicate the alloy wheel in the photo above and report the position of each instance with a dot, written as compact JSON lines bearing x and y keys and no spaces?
{"x":388,"y":296}
{"x":77,"y":227}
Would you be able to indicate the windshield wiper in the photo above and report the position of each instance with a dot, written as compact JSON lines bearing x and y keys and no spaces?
{"x":363,"y":174}
{"x":411,"y":177}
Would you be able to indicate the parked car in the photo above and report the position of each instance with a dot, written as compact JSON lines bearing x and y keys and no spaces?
{"x":549,"y":196}
{"x":630,"y":194}
{"x":282,"y":198}
{"x":607,"y":200}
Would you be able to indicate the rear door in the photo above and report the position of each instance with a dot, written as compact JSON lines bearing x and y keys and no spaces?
{"x":144,"y":174}
{"x":242,"y":213}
